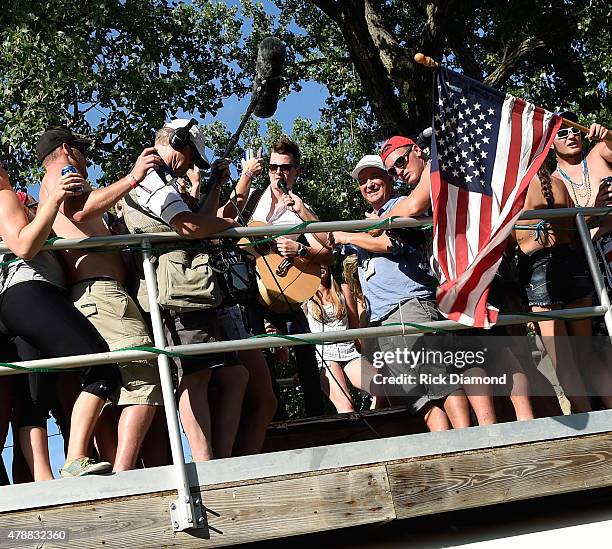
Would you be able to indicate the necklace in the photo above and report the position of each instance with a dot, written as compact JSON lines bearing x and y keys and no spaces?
{"x":577,"y":188}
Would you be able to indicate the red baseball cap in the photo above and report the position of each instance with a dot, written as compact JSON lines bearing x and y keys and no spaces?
{"x":393,"y":143}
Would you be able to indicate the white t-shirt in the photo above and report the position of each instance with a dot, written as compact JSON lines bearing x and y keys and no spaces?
{"x":280,"y":216}
{"x":160,"y":198}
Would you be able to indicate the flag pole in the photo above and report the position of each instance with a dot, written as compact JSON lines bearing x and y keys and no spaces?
{"x":430,"y":63}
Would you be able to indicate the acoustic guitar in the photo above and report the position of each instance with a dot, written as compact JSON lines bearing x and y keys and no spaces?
{"x":284,"y":282}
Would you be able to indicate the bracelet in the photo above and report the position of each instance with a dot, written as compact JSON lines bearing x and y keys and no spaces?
{"x":248,"y":173}
{"x":134,"y":183}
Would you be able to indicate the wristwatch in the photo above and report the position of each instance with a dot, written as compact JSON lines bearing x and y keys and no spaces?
{"x":302,"y":251}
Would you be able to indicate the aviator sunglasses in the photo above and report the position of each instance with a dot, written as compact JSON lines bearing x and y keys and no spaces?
{"x":400,"y":161}
{"x":285,"y":168}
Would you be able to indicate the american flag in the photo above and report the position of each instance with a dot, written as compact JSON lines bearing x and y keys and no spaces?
{"x":486,"y":147}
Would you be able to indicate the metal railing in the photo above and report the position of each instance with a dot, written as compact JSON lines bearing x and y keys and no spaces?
{"x":187,"y":511}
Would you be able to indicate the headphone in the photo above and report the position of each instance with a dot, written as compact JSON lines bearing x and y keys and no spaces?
{"x":180,"y":138}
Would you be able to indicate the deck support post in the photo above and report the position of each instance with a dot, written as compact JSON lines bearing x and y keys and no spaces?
{"x":598,"y":281}
{"x":186,"y":511}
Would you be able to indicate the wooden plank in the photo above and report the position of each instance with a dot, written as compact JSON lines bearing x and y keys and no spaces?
{"x":236,"y":515}
{"x":424,"y":486}
{"x":223,"y":472}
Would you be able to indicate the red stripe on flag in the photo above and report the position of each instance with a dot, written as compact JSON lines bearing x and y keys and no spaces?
{"x":553,"y":128}
{"x":439,"y":195}
{"x":484,"y":232}
{"x":480,"y":310}
{"x":475,"y":279}
{"x":538,"y":129}
{"x":461,"y":246}
{"x":514,"y":154}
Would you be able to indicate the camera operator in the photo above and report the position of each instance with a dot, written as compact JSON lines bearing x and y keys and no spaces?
{"x":189,"y":313}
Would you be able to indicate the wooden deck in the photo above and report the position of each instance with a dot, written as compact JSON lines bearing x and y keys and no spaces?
{"x":317,"y":489}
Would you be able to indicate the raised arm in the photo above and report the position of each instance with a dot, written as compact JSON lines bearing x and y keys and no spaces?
{"x":600,"y":133}
{"x":250,"y":169}
{"x":205,"y":222}
{"x":26,"y":239}
{"x":93,"y":203}
{"x":416,"y":203}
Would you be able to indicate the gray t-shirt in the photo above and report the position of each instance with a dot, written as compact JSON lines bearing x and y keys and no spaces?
{"x":43,"y":267}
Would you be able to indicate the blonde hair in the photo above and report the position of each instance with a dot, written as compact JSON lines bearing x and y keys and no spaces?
{"x":351,"y":278}
{"x":337,"y":300}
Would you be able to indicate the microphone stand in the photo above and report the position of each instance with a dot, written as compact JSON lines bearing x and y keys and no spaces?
{"x":213,"y":180}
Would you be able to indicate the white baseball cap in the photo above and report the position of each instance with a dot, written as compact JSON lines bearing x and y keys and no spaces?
{"x":368,"y":161}
{"x":197,"y":139}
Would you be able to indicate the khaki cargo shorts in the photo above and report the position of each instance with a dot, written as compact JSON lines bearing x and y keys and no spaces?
{"x":106,"y":304}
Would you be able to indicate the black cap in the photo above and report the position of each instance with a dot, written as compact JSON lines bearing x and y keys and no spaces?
{"x":569,"y":115}
{"x":53,"y":138}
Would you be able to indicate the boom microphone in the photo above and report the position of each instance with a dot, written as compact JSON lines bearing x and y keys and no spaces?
{"x":270,"y":64}
{"x":266,"y":88}
{"x":424,"y":137}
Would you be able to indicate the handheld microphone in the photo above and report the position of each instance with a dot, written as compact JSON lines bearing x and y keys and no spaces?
{"x":270,"y":65}
{"x":282,"y":185}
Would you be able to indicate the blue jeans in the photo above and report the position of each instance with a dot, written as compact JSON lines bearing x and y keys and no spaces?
{"x":558,"y":275}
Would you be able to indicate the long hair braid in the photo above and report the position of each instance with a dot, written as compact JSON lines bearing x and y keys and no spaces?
{"x":546,"y":185}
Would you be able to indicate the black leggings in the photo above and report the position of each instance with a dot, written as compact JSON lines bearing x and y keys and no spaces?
{"x":42,"y":316}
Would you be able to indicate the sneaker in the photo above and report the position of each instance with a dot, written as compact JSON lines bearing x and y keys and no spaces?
{"x":84,"y":466}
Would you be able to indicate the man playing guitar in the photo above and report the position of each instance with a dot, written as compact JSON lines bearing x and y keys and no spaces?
{"x":279,"y":205}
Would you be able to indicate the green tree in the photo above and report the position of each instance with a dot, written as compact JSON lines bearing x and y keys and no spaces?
{"x":551,"y":52}
{"x":110,"y":69}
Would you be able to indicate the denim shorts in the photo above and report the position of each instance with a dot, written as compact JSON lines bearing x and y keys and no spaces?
{"x":556,"y":276}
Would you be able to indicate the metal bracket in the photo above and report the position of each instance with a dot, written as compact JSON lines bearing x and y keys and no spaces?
{"x":187,"y":514}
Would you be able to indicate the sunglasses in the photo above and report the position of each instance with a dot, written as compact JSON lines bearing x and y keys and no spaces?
{"x":565,"y":132}
{"x":400,"y":162}
{"x":285,"y":168}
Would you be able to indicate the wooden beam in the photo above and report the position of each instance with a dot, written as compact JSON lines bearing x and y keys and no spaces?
{"x":247,"y":469}
{"x":236,"y":515}
{"x":496,"y":475}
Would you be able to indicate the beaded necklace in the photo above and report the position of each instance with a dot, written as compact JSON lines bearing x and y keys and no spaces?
{"x":586,"y":183}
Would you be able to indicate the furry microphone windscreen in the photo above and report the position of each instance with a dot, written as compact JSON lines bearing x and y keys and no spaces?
{"x":270,"y":65}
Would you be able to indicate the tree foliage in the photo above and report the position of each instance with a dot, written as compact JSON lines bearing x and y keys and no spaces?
{"x":113,"y":70}
{"x":116,"y":69}
{"x":555,"y":53}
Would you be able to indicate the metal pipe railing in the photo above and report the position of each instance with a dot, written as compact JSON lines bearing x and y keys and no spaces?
{"x":598,"y":281}
{"x":184,"y":511}
{"x":301,"y":339}
{"x":271,"y":230}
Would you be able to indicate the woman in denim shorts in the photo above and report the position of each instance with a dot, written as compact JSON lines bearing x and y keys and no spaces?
{"x":554,"y":272}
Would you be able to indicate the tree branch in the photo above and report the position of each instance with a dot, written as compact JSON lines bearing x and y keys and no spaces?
{"x":512,"y":59}
{"x":466,"y":59}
